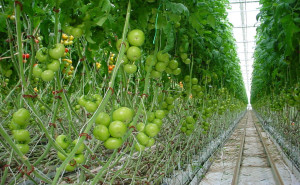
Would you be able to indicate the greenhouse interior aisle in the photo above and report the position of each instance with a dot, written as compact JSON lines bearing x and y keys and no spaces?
{"x":254,"y":167}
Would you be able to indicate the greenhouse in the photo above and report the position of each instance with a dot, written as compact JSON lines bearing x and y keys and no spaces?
{"x":171,"y":92}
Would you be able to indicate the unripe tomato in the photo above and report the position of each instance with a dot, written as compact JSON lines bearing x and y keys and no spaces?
{"x":123,"y":114}
{"x":134,"y":53}
{"x":24,"y":148}
{"x":77,"y":32}
{"x":101,"y":132}
{"x":62,"y":141}
{"x":151,"y":142}
{"x":163,"y":57}
{"x":130,"y":68}
{"x":42,"y":54}
{"x":125,"y":43}
{"x":70,"y":168}
{"x":117,"y":129}
{"x":173,"y":64}
{"x":82,"y":101}
{"x":21,"y":135}
{"x":151,"y":129}
{"x":47,"y":75}
{"x":79,"y":158}
{"x":21,"y":117}
{"x":177,"y":71}
{"x":81,"y":147}
{"x":58,"y":51}
{"x":155,"y":74}
{"x":91,"y":106}
{"x":54,"y":65}
{"x":142,"y":138}
{"x":113,"y":143}
{"x":158,"y":122}
{"x":170,"y":100}
{"x":151,"y":60}
{"x":140,"y":127}
{"x":160,"y":66}
{"x":37,"y":71}
{"x":150,"y":116}
{"x":136,"y":37}
{"x":160,"y":114}
{"x":103,"y":119}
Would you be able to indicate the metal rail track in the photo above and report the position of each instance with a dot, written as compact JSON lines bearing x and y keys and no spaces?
{"x":275,"y":172}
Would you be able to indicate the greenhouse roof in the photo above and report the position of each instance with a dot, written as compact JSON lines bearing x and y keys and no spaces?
{"x":243,"y":17}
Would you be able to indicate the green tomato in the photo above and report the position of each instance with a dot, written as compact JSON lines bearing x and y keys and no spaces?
{"x":151,"y":129}
{"x":136,"y":37}
{"x":183,"y":129}
{"x":68,"y":30}
{"x":47,"y":75}
{"x":101,"y":132}
{"x":151,"y":60}
{"x":77,"y":32}
{"x":21,"y":135}
{"x":140,"y":127}
{"x":62,"y":141}
{"x":139,"y":147}
{"x":61,"y":156}
{"x":54,"y":65}
{"x":183,"y":56}
{"x":113,"y":143}
{"x":187,"y":61}
{"x":91,"y":106}
{"x":117,"y":129}
{"x":150,"y":116}
{"x":81,"y":147}
{"x":21,"y":117}
{"x":119,"y":42}
{"x":170,"y":100}
{"x":123,"y":114}
{"x":125,"y":60}
{"x":134,"y":53}
{"x":170,"y":107}
{"x":79,"y":158}
{"x":158,"y":122}
{"x":195,"y":81}
{"x":142,"y":138}
{"x":151,"y":142}
{"x":70,"y":168}
{"x":164,"y":105}
{"x":163,"y":57}
{"x":190,"y":126}
{"x":103,"y":119}
{"x":24,"y":148}
{"x":37,"y":71}
{"x":173,"y":64}
{"x":82,"y":101}
{"x":130,"y":68}
{"x":177,"y":71}
{"x":155,"y":74}
{"x":160,"y":66}
{"x":190,"y":120}
{"x":42,"y":55}
{"x":189,"y":132}
{"x":14,"y":126}
{"x":187,"y":78}
{"x":58,"y":51}
{"x":160,"y":114}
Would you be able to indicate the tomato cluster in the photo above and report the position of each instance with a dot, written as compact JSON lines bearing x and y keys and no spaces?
{"x":21,"y":135}
{"x":188,"y":125}
{"x":49,"y":62}
{"x":66,"y":39}
{"x":136,"y":39}
{"x":147,"y":132}
{"x":111,"y":129}
{"x":90,"y":103}
{"x":65,"y":143}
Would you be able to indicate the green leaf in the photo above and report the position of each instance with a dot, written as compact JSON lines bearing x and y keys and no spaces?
{"x":169,"y":32}
{"x":102,"y":20}
{"x":177,"y":8}
{"x":211,"y":21}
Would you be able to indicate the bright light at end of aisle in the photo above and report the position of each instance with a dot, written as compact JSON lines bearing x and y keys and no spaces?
{"x":243,"y":17}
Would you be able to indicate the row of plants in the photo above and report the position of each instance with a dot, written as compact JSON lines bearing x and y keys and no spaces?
{"x":113,"y":91}
{"x":275,"y":84}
